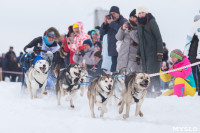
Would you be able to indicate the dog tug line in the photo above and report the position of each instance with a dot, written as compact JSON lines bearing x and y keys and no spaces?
{"x":151,"y":75}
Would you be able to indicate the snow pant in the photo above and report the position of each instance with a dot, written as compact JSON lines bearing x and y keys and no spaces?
{"x":181,"y":88}
{"x":114,"y":64}
{"x":196,"y":73}
{"x":67,"y":60}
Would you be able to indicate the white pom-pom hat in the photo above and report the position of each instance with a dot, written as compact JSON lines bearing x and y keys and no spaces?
{"x":141,"y":9}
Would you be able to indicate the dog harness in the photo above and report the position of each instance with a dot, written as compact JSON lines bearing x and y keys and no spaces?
{"x":71,"y":86}
{"x":40,"y":85}
{"x":135,"y":99}
{"x":102,"y":97}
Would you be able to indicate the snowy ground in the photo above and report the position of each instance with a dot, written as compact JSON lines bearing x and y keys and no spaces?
{"x":19,"y":114}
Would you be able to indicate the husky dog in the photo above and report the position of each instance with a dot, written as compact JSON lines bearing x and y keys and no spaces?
{"x":83,"y":80}
{"x":68,"y":83}
{"x":119,"y":83}
{"x":99,"y":92}
{"x":36,"y":77}
{"x":136,"y":89}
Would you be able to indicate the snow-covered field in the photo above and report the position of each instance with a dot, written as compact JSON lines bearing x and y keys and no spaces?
{"x":19,"y":114}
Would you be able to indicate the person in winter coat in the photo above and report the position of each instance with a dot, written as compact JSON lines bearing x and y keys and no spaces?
{"x":107,"y":61}
{"x":80,"y":36}
{"x":48,"y":42}
{"x":85,"y":54}
{"x":96,"y":70}
{"x":150,"y":49}
{"x":67,"y":41}
{"x":4,"y":66}
{"x":184,"y":83}
{"x":95,"y":36}
{"x":165,"y":85}
{"x":111,"y":25}
{"x":10,"y":57}
{"x":192,"y":49}
{"x":128,"y":50}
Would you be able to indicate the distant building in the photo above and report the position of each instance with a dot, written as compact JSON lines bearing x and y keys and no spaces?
{"x":99,"y":14}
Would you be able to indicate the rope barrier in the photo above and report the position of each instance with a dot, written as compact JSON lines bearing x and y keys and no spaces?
{"x":11,"y":72}
{"x":158,"y":74}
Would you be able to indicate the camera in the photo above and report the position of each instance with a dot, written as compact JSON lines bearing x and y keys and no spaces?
{"x":109,"y":16}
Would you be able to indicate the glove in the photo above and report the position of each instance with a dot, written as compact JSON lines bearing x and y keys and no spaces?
{"x":138,"y":60}
{"x":159,"y":58}
{"x":30,"y":50}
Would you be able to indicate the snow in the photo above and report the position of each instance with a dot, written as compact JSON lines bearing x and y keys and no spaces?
{"x":20,"y":114}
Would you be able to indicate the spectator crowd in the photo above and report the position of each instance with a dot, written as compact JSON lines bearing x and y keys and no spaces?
{"x":134,"y":43}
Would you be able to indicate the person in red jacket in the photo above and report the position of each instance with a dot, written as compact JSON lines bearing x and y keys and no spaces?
{"x":67,"y":41}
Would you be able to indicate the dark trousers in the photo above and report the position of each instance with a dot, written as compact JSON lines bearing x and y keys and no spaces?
{"x":155,"y":83}
{"x":114,"y":64}
{"x":196,"y":74}
{"x":67,"y":60}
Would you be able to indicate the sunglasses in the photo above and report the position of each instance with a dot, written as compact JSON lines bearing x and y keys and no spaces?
{"x":51,"y":34}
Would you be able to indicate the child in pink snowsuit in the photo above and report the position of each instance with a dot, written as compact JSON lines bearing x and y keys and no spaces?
{"x":184,"y":83}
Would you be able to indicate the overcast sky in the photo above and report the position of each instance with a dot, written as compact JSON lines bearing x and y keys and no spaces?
{"x":23,"y":20}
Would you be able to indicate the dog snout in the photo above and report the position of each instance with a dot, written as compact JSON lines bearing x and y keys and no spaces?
{"x":146,"y":81}
{"x":79,"y":71}
{"x":109,"y":86}
{"x":44,"y":65}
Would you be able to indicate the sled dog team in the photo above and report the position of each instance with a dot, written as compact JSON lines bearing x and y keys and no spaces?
{"x":127,"y":87}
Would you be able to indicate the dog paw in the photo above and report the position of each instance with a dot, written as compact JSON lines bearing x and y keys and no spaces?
{"x":120,"y":111}
{"x":101,"y":115}
{"x":93,"y":115}
{"x":141,"y":114}
{"x":125,"y":116}
{"x":72,"y":106}
{"x":45,"y":92}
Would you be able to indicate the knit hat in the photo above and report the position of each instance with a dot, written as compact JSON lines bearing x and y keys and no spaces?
{"x":177,"y":53}
{"x":197,"y":17}
{"x":164,"y":44}
{"x":114,"y":9}
{"x":88,"y":42}
{"x":75,"y":26}
{"x":97,"y":54}
{"x":133,"y":13}
{"x":141,"y":9}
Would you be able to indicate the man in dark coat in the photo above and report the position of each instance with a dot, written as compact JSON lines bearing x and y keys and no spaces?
{"x":11,"y":63}
{"x":150,"y":47}
{"x":111,"y":25}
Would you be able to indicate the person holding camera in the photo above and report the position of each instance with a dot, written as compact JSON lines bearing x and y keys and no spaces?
{"x":128,"y":49}
{"x":150,"y":50}
{"x":111,"y":25}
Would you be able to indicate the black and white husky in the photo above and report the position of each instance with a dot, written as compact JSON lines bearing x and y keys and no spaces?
{"x":36,"y":77}
{"x":68,"y":83}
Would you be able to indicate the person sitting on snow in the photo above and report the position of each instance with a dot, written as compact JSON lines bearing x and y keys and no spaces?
{"x":184,"y":83}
